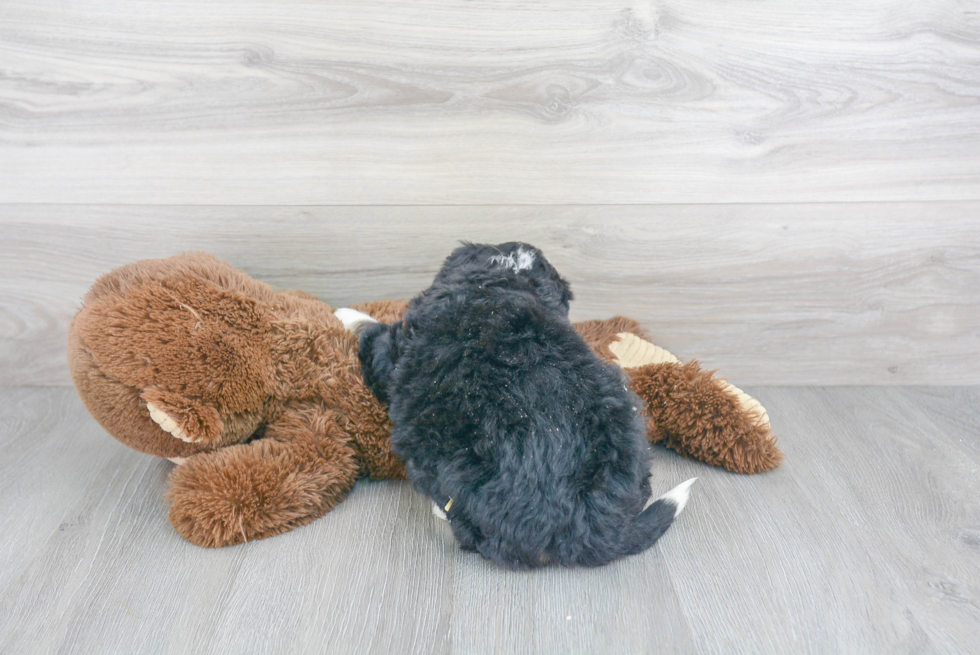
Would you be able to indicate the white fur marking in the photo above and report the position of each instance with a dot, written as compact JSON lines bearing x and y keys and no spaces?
{"x":679,"y":495}
{"x":438,"y":513}
{"x":351,"y":318}
{"x":522,"y":260}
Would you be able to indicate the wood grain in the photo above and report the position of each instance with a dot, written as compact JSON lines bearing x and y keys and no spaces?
{"x":872,"y":521}
{"x":872,"y":293}
{"x":866,"y":540}
{"x":789,"y":193}
{"x":488,"y":102}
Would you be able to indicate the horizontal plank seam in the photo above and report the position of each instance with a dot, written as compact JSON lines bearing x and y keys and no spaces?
{"x":951,"y":201}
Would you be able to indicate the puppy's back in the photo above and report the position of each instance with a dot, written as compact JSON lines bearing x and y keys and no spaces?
{"x":504,"y":409}
{"x":504,"y":416}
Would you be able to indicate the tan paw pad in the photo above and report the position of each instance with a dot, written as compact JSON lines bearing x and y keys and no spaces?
{"x":632,"y":352}
{"x":749,"y":404}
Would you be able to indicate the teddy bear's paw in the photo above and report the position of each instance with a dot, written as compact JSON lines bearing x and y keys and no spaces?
{"x":353,"y":319}
{"x":253,"y":491}
{"x":633,"y":352}
{"x":755,"y":451}
{"x":167,"y":424}
{"x":750,"y":405}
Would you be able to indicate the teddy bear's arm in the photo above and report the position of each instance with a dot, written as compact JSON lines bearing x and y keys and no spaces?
{"x":302,"y":467}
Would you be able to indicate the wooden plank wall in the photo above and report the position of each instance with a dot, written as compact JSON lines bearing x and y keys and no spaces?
{"x":790,"y":193}
{"x":775,"y":294}
{"x":489,"y":102}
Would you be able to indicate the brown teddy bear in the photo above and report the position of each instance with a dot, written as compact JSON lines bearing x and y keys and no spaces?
{"x":257,"y":395}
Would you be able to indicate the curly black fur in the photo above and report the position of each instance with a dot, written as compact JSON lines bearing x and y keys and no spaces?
{"x":498,"y":405}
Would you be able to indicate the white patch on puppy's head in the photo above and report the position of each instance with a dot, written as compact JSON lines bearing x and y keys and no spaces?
{"x":522,"y":260}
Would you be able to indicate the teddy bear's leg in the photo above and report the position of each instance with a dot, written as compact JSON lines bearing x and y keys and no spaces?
{"x":704,"y":417}
{"x":304,"y":465}
{"x":690,"y":410}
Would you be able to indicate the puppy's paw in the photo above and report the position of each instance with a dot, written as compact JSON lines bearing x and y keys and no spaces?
{"x":438,"y":513}
{"x":352,"y":319}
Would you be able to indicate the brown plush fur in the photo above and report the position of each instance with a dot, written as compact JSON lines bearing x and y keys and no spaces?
{"x":690,"y":412}
{"x":689,"y":409}
{"x":599,"y":334}
{"x":267,"y":386}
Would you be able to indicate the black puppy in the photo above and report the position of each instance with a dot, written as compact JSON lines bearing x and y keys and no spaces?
{"x":504,"y":416}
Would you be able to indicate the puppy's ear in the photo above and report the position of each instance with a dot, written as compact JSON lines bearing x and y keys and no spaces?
{"x":465,"y":256}
{"x":552,"y":288}
{"x":379,"y":352}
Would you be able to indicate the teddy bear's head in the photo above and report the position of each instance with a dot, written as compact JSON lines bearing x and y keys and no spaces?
{"x":185,"y":340}
{"x":188,"y":354}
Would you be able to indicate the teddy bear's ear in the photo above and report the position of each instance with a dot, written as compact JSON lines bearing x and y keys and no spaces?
{"x":187,"y":419}
{"x":117,"y":406}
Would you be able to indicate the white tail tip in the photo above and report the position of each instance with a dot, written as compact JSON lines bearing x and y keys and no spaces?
{"x":678,"y":496}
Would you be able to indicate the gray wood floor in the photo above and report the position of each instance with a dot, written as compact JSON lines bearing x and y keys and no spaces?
{"x":866,"y":540}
